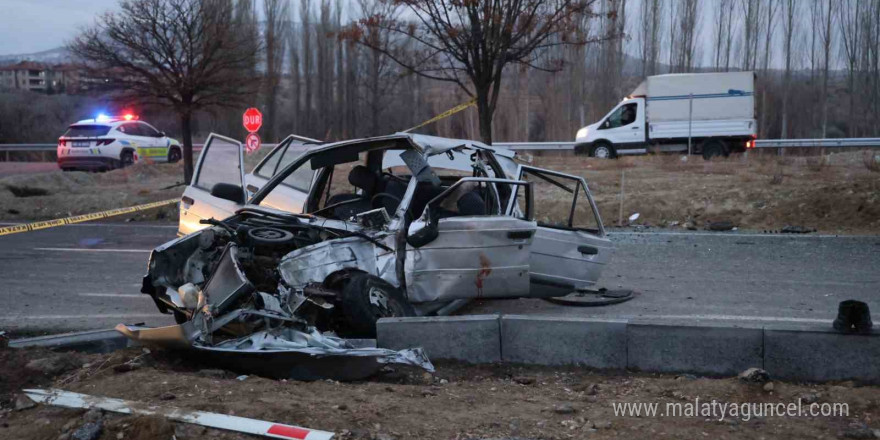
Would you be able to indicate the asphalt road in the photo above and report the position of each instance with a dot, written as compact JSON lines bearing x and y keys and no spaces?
{"x":88,"y":276}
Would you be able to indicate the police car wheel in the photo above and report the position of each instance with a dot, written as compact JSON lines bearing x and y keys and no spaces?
{"x":127,"y":158}
{"x":173,"y":155}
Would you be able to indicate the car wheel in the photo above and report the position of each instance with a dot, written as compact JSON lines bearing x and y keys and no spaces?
{"x":713,"y":148}
{"x":173,"y":155}
{"x":602,"y":150}
{"x":127,"y":158}
{"x":365,"y":299}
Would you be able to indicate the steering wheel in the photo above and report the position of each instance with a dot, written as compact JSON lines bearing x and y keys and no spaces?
{"x":375,"y":200}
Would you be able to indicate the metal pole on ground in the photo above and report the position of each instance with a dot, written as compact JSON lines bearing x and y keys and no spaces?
{"x":690,"y":121}
{"x":620,"y":212}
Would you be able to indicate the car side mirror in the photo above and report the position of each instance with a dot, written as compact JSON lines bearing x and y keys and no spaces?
{"x":228,"y":191}
{"x":427,"y":233}
{"x":162,"y":134}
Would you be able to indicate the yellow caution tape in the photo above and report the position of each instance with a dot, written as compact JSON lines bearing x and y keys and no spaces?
{"x":445,"y":114}
{"x":6,"y":230}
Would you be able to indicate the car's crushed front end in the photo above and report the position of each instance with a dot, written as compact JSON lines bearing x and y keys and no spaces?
{"x":247,"y":285}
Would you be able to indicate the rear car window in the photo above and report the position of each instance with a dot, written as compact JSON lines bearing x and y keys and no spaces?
{"x":87,"y":130}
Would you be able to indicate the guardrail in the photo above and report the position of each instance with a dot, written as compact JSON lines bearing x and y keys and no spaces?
{"x":819,"y":143}
{"x":762,"y":143}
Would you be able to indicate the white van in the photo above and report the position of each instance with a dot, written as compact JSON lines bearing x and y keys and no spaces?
{"x":715,"y":111}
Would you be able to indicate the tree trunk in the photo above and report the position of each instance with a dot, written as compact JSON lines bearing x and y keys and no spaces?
{"x":186,"y":132}
{"x":484,"y":111}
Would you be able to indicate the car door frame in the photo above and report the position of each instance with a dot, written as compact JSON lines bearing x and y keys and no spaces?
{"x":442,"y":270}
{"x":593,"y":248}
{"x":194,"y":193}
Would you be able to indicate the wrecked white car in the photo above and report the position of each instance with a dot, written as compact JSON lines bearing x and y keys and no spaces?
{"x":353,"y":231}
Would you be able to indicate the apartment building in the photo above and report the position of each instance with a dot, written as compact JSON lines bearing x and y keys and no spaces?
{"x":39,"y":77}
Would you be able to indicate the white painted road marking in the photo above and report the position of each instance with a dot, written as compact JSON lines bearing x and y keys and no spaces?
{"x":736,"y":234}
{"x":108,"y":316}
{"x":140,"y":251}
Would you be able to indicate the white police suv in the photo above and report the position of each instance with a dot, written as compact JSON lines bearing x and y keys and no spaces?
{"x":109,"y":142}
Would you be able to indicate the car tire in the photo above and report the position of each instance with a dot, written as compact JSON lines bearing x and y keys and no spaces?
{"x":603,"y":150}
{"x":712,"y":148}
{"x":127,"y":158}
{"x":365,"y":299}
{"x":174,"y":155}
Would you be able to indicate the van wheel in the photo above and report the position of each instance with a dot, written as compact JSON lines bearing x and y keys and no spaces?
{"x":714,"y":147}
{"x":603,"y":150}
{"x":173,"y":155}
{"x":365,"y":299}
{"x":127,"y":158}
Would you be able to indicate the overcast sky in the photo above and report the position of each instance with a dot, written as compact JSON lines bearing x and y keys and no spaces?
{"x":35,"y":25}
{"x":28,"y":26}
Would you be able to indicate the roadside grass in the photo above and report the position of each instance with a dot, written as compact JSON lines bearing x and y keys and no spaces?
{"x":837,"y":193}
{"x":57,"y":194}
{"x":60,"y":194}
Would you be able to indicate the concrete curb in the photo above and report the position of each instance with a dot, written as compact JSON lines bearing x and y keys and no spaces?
{"x":818,"y":353}
{"x":805,"y":352}
{"x":96,"y":341}
{"x":593,"y":343}
{"x":694,"y":347}
{"x":473,"y":338}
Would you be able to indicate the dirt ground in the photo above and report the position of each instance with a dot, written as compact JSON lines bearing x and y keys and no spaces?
{"x":457,"y":402}
{"x":57,"y":194}
{"x":837,"y":193}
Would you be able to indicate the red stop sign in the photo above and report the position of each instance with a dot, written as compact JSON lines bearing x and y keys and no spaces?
{"x":252,"y":119}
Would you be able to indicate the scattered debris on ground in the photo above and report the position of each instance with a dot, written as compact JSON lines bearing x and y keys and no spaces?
{"x":457,"y":401}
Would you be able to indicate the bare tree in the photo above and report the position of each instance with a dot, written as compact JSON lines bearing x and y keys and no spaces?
{"x":790,"y":12}
{"x":751,"y":12}
{"x":850,"y":17}
{"x":276,"y":13}
{"x":826,"y":36}
{"x":686,"y":22}
{"x":380,"y":76}
{"x":650,"y":26}
{"x":608,"y":68}
{"x":470,"y":43}
{"x":184,"y":54}
{"x":770,"y":25}
{"x":307,"y":112}
{"x":295,"y":79}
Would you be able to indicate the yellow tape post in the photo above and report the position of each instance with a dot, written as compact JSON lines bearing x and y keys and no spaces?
{"x":443,"y":115}
{"x":14,"y":229}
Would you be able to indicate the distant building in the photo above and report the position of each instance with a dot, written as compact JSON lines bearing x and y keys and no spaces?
{"x":39,"y":77}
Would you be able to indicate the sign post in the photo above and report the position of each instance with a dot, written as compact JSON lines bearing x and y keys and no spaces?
{"x":252,"y":121}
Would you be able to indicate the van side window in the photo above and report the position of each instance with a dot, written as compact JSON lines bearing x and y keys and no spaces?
{"x":623,"y":116}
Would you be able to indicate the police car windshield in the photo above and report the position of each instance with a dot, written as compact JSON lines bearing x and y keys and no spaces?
{"x":87,"y":130}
